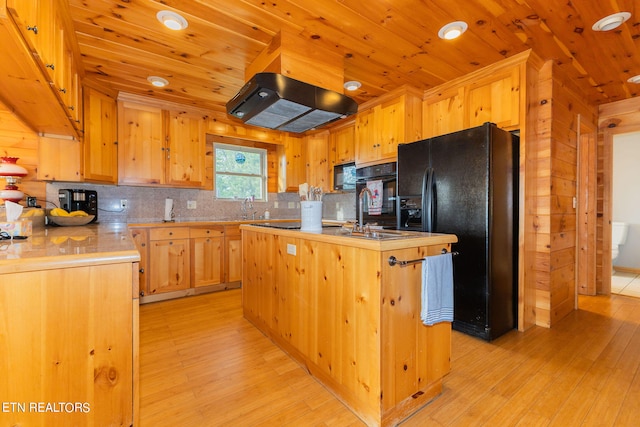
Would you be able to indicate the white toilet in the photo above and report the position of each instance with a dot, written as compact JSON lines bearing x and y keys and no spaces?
{"x":618,"y":237}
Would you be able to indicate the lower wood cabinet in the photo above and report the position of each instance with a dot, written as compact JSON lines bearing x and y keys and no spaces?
{"x":207,"y":261}
{"x":169,"y":259}
{"x":233,"y":253}
{"x":178,"y":260}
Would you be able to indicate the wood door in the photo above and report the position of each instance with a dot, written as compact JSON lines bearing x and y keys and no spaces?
{"x":141,"y":144}
{"x":207,"y":256}
{"x":367,"y":143}
{"x":342,"y":140}
{"x":168,"y":265}
{"x":391,"y":123}
{"x":295,"y":171}
{"x":141,"y":239}
{"x":59,"y":160}
{"x":233,"y":253}
{"x":318,"y":160}
{"x":185,"y":150}
{"x":100,"y":141}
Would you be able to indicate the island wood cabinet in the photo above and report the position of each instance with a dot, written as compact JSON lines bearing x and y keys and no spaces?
{"x":177,"y":261}
{"x":70,"y":344}
{"x":351,"y":319}
{"x":384,"y":123}
{"x":40,"y":75}
{"x":169,"y":259}
{"x":160,"y":148}
{"x":100,"y":137}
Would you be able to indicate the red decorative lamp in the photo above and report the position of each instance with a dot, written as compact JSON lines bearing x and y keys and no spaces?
{"x":12,"y":173}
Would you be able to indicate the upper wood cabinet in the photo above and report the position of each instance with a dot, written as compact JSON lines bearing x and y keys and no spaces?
{"x":318,"y":164}
{"x":158,"y":147}
{"x":59,"y":159}
{"x":39,"y":72}
{"x":342,"y":143}
{"x":100,"y":137}
{"x":185,"y":150}
{"x":493,"y":97}
{"x":384,"y":123}
{"x":294,"y":163}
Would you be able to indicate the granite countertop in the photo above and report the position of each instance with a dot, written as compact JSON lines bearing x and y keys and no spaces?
{"x":61,"y":247}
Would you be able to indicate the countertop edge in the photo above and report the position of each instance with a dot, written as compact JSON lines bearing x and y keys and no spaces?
{"x":66,"y":261}
{"x":421,"y":239}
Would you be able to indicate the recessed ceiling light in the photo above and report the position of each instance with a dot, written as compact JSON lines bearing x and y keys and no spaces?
{"x":172,"y":20}
{"x":634,"y":79}
{"x":610,"y":22}
{"x":352,"y":85}
{"x":157,"y":81}
{"x":452,"y":30}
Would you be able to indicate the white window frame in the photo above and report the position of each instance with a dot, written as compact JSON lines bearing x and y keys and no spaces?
{"x":263,"y":170}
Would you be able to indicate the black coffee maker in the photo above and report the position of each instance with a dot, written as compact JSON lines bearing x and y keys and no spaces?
{"x":79,"y":200}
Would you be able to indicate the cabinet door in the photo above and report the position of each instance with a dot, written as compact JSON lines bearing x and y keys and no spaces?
{"x":168,"y":265}
{"x":100,"y":141}
{"x":390,"y":118}
{"x":141,"y":144}
{"x":185,"y":151}
{"x":295,"y":173}
{"x":206,"y":261}
{"x":26,"y":15}
{"x":342,"y":143}
{"x":318,"y":160}
{"x":59,"y":160}
{"x":233,"y":254}
{"x":367,"y":142}
{"x":496,"y":101}
{"x":141,"y":239}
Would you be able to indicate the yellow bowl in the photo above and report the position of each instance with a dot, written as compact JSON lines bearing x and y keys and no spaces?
{"x":70,"y":220}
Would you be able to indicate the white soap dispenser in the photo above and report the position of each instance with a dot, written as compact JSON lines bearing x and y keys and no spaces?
{"x":267,"y":215}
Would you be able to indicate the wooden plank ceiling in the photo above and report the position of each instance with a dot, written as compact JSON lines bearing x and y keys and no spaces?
{"x":385,"y":43}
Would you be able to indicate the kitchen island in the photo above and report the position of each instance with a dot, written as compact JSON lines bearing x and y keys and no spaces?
{"x":69,"y":327}
{"x":334,"y":303}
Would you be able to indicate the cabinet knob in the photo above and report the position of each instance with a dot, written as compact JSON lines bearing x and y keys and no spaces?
{"x":141,"y":293}
{"x":171,"y":233}
{"x":63,"y":90}
{"x":51,"y":66}
{"x":34,"y":29}
{"x":141,"y":270}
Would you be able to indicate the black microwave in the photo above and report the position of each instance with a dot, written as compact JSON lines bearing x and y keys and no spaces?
{"x":344,"y":177}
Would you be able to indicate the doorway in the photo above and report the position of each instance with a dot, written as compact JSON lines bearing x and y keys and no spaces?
{"x":625,"y":236}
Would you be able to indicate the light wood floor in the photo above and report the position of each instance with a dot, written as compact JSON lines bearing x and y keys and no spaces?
{"x":202,"y":364}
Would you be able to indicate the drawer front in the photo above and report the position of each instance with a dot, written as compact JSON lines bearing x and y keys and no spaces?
{"x":163,"y":233}
{"x":231,"y":230}
{"x":206,"y":232}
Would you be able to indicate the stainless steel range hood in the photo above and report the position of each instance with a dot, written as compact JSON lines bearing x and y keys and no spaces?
{"x":279,"y":102}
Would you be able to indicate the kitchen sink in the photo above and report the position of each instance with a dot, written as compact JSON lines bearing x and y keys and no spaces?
{"x":378,"y":234}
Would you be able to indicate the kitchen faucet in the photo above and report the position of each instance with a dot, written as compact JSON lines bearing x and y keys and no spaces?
{"x":247,"y":206}
{"x":365,"y":191}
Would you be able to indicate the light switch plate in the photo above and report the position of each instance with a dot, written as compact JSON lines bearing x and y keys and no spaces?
{"x":291,"y":249}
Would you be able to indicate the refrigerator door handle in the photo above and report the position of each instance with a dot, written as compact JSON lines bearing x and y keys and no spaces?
{"x":427,"y":200}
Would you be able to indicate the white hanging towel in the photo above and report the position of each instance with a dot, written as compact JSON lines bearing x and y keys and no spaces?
{"x":437,"y":289}
{"x":375,"y":205}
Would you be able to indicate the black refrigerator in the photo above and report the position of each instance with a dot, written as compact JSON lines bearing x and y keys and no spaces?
{"x":466,"y":183}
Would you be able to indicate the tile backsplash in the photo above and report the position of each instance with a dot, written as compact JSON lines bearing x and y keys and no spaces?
{"x":146,"y":204}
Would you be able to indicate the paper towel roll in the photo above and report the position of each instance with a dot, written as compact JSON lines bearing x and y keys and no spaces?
{"x":168,"y":210}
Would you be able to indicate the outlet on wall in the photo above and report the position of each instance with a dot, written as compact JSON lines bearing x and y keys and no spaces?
{"x":123,"y":203}
{"x":191,"y":204}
